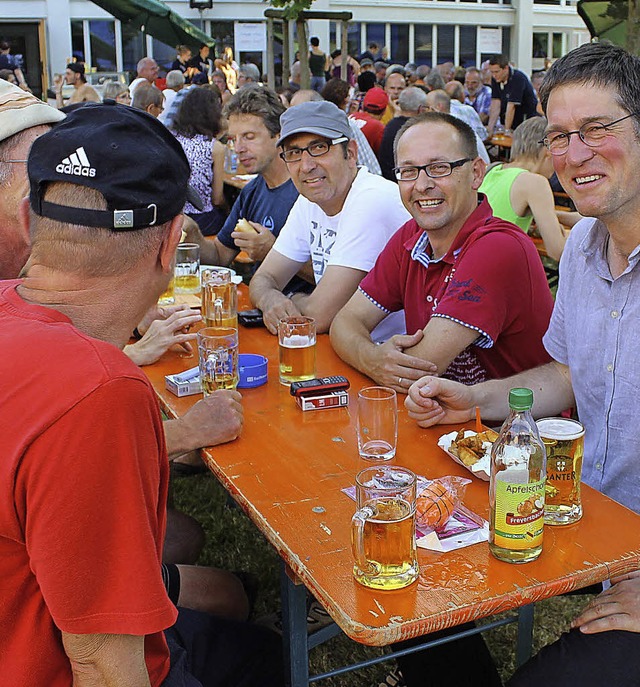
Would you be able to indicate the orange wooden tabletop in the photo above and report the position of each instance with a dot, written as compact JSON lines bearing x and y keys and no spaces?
{"x":287,"y":471}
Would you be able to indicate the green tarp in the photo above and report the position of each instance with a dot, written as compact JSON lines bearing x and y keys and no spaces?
{"x":606,"y":19}
{"x":158,"y":20}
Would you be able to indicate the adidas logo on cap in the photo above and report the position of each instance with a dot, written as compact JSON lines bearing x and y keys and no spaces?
{"x":77,"y":164}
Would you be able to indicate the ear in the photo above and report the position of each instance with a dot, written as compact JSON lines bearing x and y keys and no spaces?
{"x":352,"y":150}
{"x":24,"y":220}
{"x":479,"y":169}
{"x":169,"y":244}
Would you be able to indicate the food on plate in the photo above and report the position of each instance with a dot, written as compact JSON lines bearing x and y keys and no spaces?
{"x":244,"y":226}
{"x":473,"y":447}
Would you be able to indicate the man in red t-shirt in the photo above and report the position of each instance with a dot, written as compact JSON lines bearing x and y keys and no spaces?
{"x":84,"y":463}
{"x":373,"y":106}
{"x":473,"y":289}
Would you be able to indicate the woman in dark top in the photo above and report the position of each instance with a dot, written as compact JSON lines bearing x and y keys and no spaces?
{"x":318,"y":65}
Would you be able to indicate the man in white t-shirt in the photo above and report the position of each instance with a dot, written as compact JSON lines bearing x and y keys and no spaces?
{"x":342,"y":219}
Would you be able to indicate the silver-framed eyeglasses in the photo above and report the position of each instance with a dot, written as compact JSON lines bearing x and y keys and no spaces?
{"x":435,"y":170}
{"x":315,"y":149}
{"x":591,"y":134}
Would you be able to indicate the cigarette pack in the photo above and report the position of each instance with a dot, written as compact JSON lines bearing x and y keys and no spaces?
{"x":185,"y":383}
{"x":332,"y":399}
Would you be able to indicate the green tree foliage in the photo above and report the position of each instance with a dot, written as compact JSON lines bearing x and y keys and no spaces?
{"x":293,"y":10}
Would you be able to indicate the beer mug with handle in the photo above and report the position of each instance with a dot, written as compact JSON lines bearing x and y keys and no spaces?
{"x":383,"y":529}
{"x":219,"y":298}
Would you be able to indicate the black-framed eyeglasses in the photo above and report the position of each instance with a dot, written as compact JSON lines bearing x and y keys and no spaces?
{"x":591,"y":134}
{"x":435,"y":170}
{"x":315,"y":149}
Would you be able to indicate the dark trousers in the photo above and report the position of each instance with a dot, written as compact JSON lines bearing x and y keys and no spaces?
{"x":606,"y":659}
{"x":464,"y":662}
{"x":214,"y":652}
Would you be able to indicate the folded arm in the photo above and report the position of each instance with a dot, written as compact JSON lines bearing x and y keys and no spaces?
{"x":388,"y":363}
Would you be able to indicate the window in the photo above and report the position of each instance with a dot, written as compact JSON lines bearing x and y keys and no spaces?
{"x":557,"y":44}
{"x":77,"y":40}
{"x":445,"y":43}
{"x":222,"y":33}
{"x":164,"y":54}
{"x":102,"y":38}
{"x":540,"y":45}
{"x":423,"y":39}
{"x":375,"y":34}
{"x":399,"y":43}
{"x":133,"y":49}
{"x":468,"y":35}
{"x":353,"y":38}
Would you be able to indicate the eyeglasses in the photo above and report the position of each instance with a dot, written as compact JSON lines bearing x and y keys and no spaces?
{"x":591,"y":134}
{"x":435,"y":170}
{"x":7,"y":161}
{"x":315,"y":149}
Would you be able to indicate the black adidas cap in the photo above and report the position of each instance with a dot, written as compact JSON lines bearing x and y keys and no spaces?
{"x":125,"y":154}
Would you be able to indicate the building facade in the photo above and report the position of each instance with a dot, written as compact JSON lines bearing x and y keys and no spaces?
{"x":48,"y":33}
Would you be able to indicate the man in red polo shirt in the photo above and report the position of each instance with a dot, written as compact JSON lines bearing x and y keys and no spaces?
{"x":373,"y":106}
{"x":472,"y":286}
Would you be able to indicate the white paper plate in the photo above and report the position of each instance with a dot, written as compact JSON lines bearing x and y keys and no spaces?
{"x":481,"y":469}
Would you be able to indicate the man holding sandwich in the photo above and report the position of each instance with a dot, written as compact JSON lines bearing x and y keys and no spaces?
{"x":263,"y":205}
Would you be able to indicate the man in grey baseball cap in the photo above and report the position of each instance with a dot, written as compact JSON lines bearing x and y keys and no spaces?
{"x":341,"y":221}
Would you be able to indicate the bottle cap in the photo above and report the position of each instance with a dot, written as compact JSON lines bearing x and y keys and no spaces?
{"x":520,"y":399}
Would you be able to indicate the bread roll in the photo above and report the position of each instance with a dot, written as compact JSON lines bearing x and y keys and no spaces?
{"x":244,"y":226}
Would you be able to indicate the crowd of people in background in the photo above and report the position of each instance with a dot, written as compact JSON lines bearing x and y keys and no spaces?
{"x":377,"y":95}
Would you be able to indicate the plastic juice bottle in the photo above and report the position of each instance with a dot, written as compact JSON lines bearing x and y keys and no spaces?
{"x":516,"y":489}
{"x":230,"y":158}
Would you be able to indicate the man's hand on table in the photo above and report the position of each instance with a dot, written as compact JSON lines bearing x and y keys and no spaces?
{"x":388,"y":365}
{"x":164,"y":333}
{"x":617,"y":608}
{"x":433,"y":400}
{"x":213,"y":420}
{"x":275,"y":307}
{"x":255,"y":244}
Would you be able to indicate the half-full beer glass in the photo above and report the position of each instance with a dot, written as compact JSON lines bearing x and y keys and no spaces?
{"x":297,"y":344}
{"x":564,"y":441}
{"x":219,"y":298}
{"x":218,"y":358}
{"x":383,"y":529}
{"x":187,"y":269}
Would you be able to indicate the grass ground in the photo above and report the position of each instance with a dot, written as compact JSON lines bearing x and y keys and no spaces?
{"x":235,"y":544}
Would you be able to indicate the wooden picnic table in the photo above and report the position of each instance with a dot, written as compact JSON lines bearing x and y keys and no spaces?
{"x":287,"y":472}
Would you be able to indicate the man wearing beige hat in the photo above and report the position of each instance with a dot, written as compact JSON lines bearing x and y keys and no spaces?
{"x":22,"y":119}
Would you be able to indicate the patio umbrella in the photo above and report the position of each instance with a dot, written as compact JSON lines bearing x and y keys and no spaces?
{"x":157,"y":19}
{"x":606,"y":19}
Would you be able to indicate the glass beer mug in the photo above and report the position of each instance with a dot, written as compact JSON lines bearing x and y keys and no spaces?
{"x":383,"y":529}
{"x":218,"y":358}
{"x":219,"y":298}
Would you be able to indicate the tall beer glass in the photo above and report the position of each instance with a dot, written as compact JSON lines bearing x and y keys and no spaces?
{"x":564,"y":440}
{"x":297,"y":344}
{"x":383,"y":529}
{"x":218,"y":358}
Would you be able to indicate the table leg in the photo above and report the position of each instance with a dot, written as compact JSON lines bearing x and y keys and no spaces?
{"x":525,"y":633}
{"x":294,"y":629}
